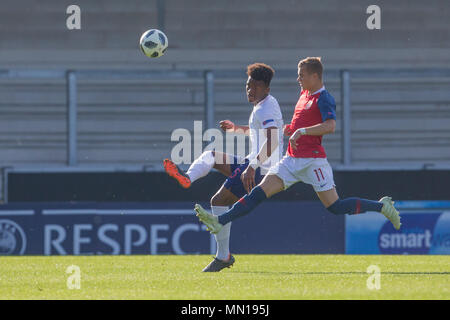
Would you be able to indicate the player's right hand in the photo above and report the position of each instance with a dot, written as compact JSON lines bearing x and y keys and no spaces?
{"x":226,"y":125}
{"x":287,"y":130}
{"x":248,"y":179}
{"x":293,"y":140}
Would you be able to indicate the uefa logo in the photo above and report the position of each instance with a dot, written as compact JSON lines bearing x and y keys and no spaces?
{"x":12,"y":238}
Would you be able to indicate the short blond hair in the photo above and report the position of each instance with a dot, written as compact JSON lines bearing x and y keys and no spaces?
{"x":313,"y":65}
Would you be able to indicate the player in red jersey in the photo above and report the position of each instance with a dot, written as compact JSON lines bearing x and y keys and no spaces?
{"x":305,"y":159}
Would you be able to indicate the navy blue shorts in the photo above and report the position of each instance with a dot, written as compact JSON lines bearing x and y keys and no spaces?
{"x":234,"y":183}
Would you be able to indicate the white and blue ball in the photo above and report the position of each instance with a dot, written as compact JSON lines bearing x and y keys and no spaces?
{"x":153,"y":43}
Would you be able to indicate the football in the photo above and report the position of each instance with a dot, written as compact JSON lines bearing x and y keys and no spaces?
{"x":153,"y":43}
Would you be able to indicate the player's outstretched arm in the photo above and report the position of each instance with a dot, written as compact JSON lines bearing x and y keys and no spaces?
{"x":229,"y":126}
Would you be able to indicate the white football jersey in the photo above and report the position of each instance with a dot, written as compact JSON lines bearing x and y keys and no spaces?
{"x":265,"y":114}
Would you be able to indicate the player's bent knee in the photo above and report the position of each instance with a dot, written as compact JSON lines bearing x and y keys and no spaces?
{"x":271,"y":184}
{"x":217,"y":201}
{"x":220,"y":199}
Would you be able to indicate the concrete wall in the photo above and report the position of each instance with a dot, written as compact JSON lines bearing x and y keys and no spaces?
{"x":213,"y":33}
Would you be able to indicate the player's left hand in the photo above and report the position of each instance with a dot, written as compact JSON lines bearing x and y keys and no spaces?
{"x":248,"y":178}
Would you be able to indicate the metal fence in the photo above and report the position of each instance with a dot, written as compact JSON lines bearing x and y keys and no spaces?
{"x":344,"y":76}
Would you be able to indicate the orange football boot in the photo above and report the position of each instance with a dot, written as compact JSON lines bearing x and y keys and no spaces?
{"x":176,"y":173}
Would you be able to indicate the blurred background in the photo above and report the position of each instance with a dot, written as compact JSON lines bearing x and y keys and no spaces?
{"x":100,"y":132}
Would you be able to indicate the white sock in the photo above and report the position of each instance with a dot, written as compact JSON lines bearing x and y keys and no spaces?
{"x":223,"y":237}
{"x":201,"y":166}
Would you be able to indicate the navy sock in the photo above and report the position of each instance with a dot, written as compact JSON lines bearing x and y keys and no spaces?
{"x":244,"y":205}
{"x":354,"y":206}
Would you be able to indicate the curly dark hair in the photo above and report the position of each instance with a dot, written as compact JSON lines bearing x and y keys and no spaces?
{"x":261,"y":71}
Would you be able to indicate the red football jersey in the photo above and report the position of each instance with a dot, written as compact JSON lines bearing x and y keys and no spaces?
{"x":311,"y":109}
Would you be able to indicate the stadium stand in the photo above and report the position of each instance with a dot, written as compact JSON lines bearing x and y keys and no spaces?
{"x":395,"y":121}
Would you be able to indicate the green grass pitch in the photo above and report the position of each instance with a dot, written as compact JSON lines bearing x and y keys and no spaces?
{"x":288,"y":277}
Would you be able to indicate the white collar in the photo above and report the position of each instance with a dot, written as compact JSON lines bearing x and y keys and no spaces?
{"x":320,"y":90}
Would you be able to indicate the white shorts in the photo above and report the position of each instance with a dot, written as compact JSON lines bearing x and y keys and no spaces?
{"x":314,"y":171}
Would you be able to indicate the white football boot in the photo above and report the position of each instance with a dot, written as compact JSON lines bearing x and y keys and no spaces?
{"x":209,"y":220}
{"x":390,"y":212}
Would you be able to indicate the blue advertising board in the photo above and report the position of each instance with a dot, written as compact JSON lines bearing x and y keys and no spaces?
{"x":425,"y":230}
{"x":163,"y":228}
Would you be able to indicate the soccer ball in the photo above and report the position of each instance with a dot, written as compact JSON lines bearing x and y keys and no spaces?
{"x":153,"y":43}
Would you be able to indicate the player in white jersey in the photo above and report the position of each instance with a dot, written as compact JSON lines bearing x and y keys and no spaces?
{"x":266,"y":139}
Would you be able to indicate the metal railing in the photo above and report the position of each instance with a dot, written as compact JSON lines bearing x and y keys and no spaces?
{"x":72,"y":76}
{"x":344,"y":76}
